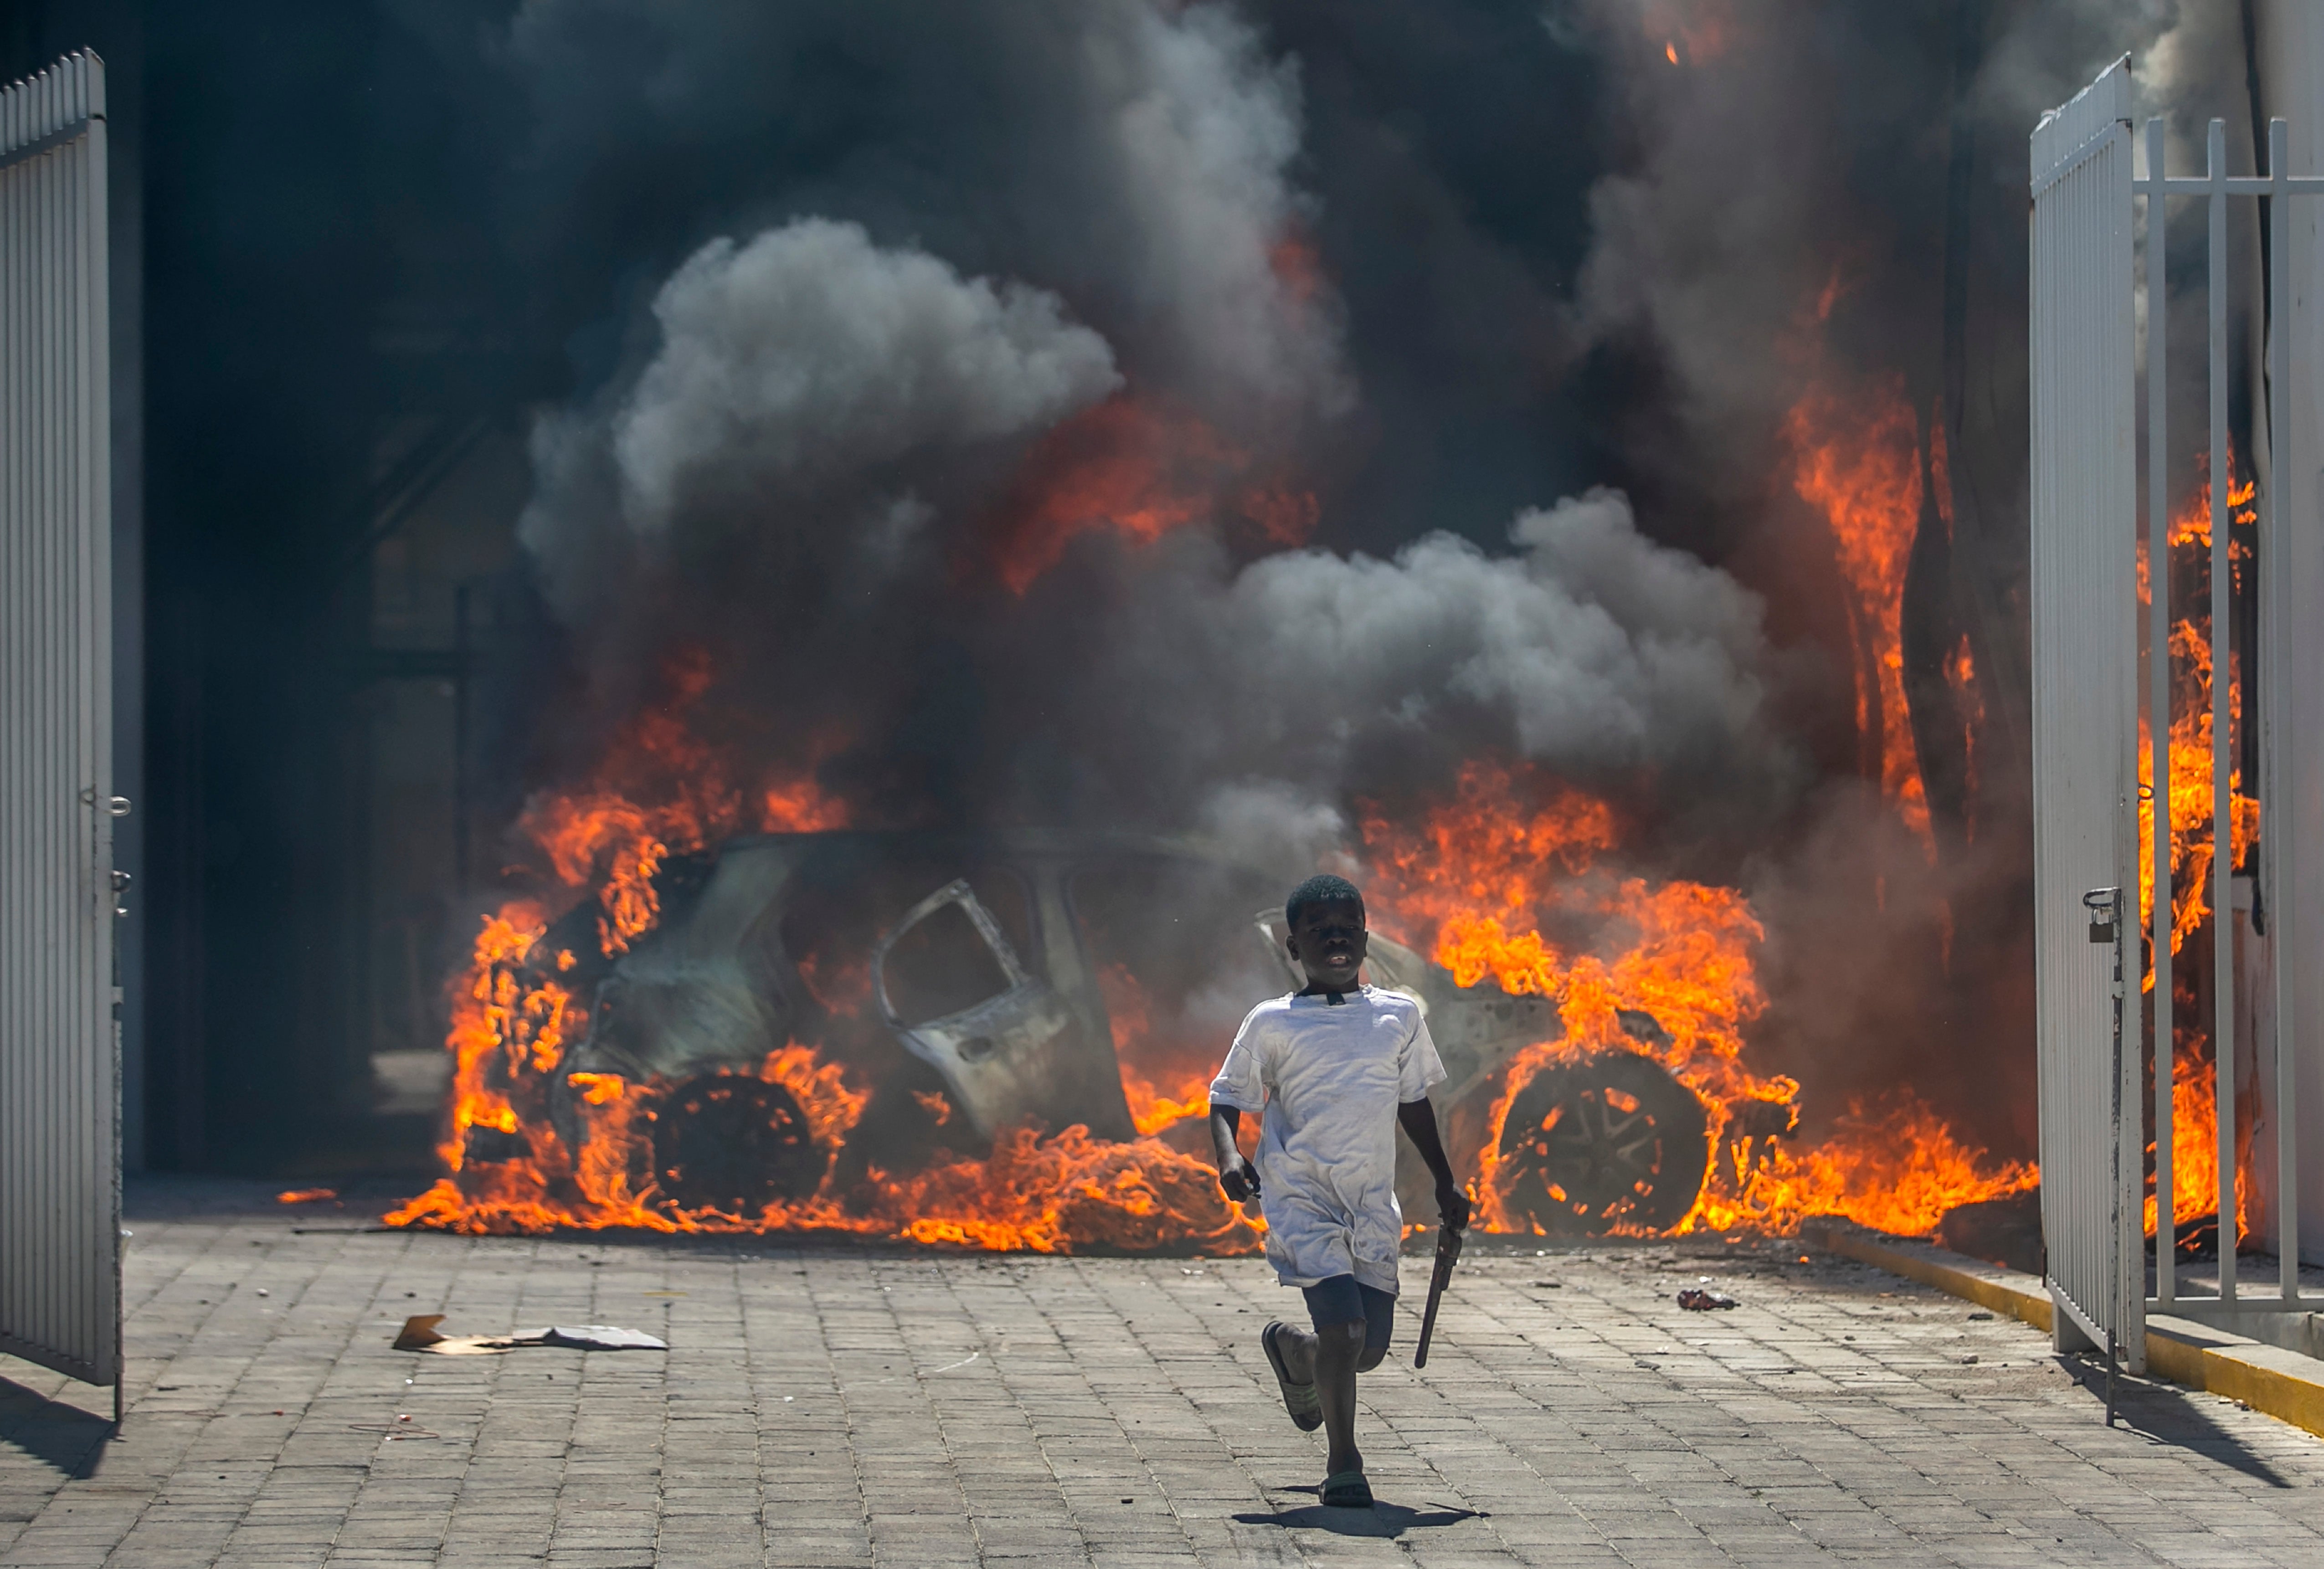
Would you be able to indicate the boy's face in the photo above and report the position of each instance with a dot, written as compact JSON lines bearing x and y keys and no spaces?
{"x":1328,"y":941}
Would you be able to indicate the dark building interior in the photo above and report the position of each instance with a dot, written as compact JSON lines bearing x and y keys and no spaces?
{"x":330,"y":459}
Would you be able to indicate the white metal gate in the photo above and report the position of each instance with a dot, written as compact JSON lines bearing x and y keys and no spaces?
{"x":2085,"y":717}
{"x":60,"y":1057}
{"x":2085,"y":779}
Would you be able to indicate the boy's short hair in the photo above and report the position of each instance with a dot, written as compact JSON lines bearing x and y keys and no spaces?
{"x":1320,"y":889}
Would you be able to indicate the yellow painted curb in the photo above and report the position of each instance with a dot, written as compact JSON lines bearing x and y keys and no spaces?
{"x":2284,"y":1384}
{"x":2010,"y":1291}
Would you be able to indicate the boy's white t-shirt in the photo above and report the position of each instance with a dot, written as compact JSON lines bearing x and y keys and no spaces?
{"x":1326,"y":1079}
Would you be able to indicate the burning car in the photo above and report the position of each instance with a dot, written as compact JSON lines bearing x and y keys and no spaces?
{"x":979,"y":984}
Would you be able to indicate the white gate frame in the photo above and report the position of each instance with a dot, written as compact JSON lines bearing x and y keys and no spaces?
{"x":59,"y":1039}
{"x":2085,"y":790}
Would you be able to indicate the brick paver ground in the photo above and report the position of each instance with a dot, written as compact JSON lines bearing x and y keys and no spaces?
{"x":834,"y":1406}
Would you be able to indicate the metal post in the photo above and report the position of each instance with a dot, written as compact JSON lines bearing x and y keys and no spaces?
{"x":2276,"y":829}
{"x":2223,"y":850}
{"x":2158,"y":697}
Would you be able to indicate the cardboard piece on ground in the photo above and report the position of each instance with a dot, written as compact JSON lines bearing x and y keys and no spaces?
{"x":418,"y":1334}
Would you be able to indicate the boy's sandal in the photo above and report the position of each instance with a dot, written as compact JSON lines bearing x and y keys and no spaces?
{"x":1347,"y":1490}
{"x":1299,"y":1399}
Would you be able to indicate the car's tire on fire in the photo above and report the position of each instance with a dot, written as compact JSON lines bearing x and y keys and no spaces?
{"x":735,"y":1144}
{"x":1609,"y":1141}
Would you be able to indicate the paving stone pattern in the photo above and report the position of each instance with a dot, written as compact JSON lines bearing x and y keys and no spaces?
{"x":844,"y":1406}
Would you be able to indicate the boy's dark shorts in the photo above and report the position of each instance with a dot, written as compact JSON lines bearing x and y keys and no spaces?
{"x":1345,"y":1299}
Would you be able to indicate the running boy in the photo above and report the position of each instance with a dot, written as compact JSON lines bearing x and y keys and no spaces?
{"x":1333,"y":1069}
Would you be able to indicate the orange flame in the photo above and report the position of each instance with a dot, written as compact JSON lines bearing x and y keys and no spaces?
{"x":2189,"y":791}
{"x":1512,"y":855}
{"x":1895,"y":1168}
{"x":800,"y":806}
{"x":1122,"y":465}
{"x":1692,"y":31}
{"x":2195,"y":1148}
{"x":1144,"y":472}
{"x":1052,"y":1195}
{"x":514,"y":1022}
{"x":1856,"y":459}
{"x":1187,"y":1068}
{"x":2194,"y":1142}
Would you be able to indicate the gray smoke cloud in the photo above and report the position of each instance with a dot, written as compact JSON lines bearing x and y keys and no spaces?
{"x":1779,"y":213}
{"x":1132,"y":156}
{"x":800,"y":382}
{"x":1604,"y":653}
{"x":809,"y":356}
{"x":811,"y":374}
{"x":1271,"y":695}
{"x":818,"y":424}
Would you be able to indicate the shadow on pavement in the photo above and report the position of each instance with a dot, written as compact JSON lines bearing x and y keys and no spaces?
{"x":63,"y":1436}
{"x":1382,"y":1519}
{"x":2164,"y":1413}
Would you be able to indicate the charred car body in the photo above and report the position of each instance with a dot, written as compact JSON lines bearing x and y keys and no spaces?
{"x":979,"y":983}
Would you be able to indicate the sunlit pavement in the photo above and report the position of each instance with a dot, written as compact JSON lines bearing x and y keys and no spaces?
{"x":851,"y":1406}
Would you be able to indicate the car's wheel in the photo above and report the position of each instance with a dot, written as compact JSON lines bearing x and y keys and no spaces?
{"x":1609,"y":1141}
{"x":735,"y":1144}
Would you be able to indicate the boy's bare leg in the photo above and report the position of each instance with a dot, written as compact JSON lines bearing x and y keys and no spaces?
{"x":1329,"y":1359}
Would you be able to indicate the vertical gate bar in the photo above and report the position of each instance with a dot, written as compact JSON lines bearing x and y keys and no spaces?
{"x":56,"y":1181}
{"x":2121,"y":332}
{"x":2158,"y":699}
{"x":17,"y":1248}
{"x":2223,"y":847}
{"x":2105,"y":1304}
{"x":100,"y":901}
{"x":2276,"y":829}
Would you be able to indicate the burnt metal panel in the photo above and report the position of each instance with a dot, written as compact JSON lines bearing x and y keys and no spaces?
{"x":59,"y":1053}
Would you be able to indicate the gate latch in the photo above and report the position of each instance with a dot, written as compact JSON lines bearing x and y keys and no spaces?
{"x":2101,"y":904}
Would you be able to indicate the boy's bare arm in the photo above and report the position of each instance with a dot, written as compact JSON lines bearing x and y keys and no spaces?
{"x":1418,"y":1120}
{"x":1238,"y":1178}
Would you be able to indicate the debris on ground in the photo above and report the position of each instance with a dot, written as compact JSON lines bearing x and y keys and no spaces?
{"x":420,"y":1334}
{"x":305,"y":1195}
{"x":400,"y":1428}
{"x":1695,"y":1300}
